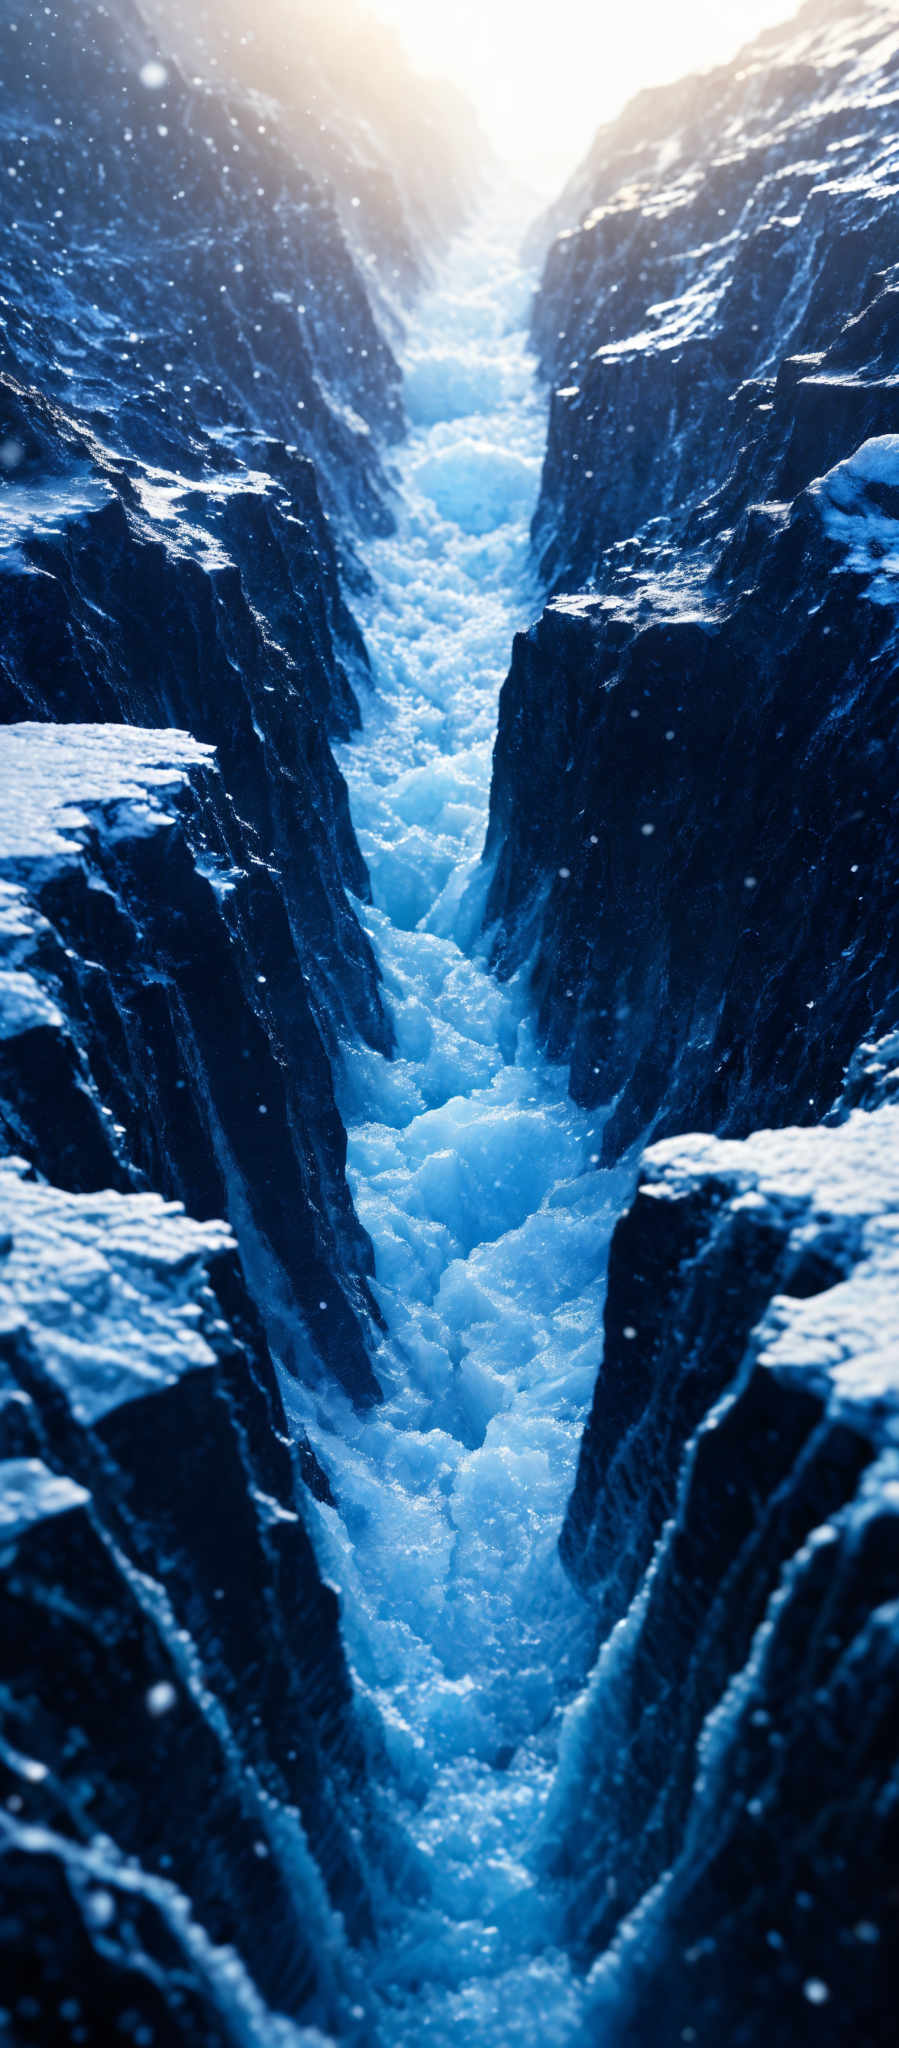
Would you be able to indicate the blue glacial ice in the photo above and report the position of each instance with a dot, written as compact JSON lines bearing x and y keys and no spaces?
{"x":475,"y":1176}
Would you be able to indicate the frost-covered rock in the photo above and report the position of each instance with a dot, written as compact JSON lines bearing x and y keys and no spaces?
{"x":200,"y":281}
{"x":693,"y":832}
{"x":199,"y":261}
{"x":724,"y":1814}
{"x":191,"y":376}
{"x":158,"y":1026}
{"x":692,"y":835}
{"x":183,"y":1773}
{"x":872,"y":1077}
{"x":712,"y":247}
{"x":194,"y":386}
{"x":221,"y":615}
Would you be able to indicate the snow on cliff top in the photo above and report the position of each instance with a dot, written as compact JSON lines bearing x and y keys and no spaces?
{"x":52,"y":775}
{"x":108,"y":1288}
{"x":836,"y":1189}
{"x":30,"y":1493}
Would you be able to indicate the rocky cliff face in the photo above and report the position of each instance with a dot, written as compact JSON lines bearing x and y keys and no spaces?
{"x":197,"y":396}
{"x":703,"y":872}
{"x":184,"y":1780}
{"x":725,"y":1812}
{"x":211,"y":604}
{"x":158,"y":1029}
{"x":693,"y":856}
{"x":714,"y":246}
{"x":200,"y":280}
{"x":191,"y":391}
{"x":188,"y":1835}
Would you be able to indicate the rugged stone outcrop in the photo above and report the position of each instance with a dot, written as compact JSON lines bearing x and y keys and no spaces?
{"x":158,"y":1030}
{"x":693,"y":856}
{"x":691,"y":822}
{"x":190,"y":390}
{"x":211,"y":604}
{"x":199,"y":265}
{"x":194,"y":382}
{"x":718,"y":238}
{"x":725,"y":1815}
{"x":185,"y":1805}
{"x":200,"y":280}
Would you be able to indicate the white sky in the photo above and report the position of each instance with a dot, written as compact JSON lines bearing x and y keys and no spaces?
{"x":545,"y":73}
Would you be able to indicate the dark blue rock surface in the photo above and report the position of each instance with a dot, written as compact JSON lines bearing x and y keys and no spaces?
{"x":693,"y":854}
{"x":704,"y":869}
{"x":725,"y":1818}
{"x":158,"y":1029}
{"x":196,"y":394}
{"x":185,"y":1804}
{"x":201,"y":264}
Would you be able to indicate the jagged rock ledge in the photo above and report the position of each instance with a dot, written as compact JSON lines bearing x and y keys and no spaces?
{"x":187,"y":1834}
{"x":210,"y":602}
{"x":159,"y":1031}
{"x":718,"y":238}
{"x":692,"y":822}
{"x":692,"y":833}
{"x":725,"y":1817}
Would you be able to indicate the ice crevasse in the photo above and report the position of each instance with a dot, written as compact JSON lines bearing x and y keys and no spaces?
{"x":472,"y":1171}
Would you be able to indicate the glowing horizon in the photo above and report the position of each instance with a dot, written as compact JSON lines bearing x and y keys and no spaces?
{"x":541,"y":94}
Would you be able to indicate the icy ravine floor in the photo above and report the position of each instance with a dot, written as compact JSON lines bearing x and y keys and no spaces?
{"x":470,"y":1169}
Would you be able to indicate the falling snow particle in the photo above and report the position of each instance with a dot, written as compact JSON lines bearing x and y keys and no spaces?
{"x":160,"y":1698}
{"x":816,"y":1991}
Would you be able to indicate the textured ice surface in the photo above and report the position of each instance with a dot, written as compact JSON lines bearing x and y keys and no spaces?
{"x":471,"y":1170}
{"x":107,"y":1287}
{"x":24,"y":1005}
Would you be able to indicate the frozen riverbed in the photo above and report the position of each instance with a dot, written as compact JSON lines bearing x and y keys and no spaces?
{"x":475,"y":1176}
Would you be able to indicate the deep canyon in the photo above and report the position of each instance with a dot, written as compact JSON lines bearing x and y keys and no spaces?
{"x":449,"y":1047}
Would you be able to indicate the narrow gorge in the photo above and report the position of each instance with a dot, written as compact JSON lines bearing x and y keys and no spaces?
{"x":449,"y":1040}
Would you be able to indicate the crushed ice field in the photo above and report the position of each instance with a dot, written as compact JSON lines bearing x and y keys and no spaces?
{"x":471,"y":1170}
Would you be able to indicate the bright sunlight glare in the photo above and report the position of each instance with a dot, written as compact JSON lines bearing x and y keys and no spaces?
{"x":544,"y":73}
